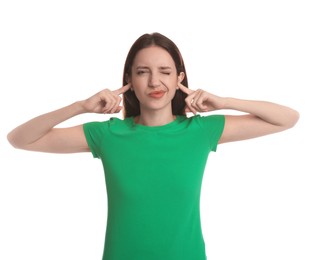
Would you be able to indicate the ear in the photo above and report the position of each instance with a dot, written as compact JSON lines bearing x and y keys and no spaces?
{"x":180,"y":77}
{"x":128,"y":81}
{"x":127,"y":78}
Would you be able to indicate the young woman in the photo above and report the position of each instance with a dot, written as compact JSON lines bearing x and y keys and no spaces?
{"x":154,"y":158}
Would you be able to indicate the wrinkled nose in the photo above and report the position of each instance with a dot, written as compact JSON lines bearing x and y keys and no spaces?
{"x":154,"y":81}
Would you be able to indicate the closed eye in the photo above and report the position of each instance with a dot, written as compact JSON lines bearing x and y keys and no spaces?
{"x":166,"y":70}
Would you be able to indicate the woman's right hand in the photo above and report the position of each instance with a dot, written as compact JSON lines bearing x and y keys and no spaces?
{"x":105,"y":101}
{"x":40,"y":133}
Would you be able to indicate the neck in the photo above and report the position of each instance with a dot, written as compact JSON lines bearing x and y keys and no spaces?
{"x":154,"y":119}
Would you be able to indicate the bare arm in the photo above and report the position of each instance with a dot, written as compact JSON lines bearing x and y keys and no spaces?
{"x":40,"y":133}
{"x":260,"y":118}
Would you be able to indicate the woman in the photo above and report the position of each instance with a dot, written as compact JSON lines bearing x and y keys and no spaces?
{"x":154,"y":158}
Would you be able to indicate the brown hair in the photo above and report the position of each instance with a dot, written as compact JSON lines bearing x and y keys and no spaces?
{"x":130,"y":101}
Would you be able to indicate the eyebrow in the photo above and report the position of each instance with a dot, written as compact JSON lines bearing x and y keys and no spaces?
{"x":161,"y":67}
{"x":165,"y":68}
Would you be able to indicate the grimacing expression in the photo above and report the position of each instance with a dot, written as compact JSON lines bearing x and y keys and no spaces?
{"x":154,"y":78}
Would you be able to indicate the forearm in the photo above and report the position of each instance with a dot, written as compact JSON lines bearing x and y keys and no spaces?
{"x":272,"y":113}
{"x":37,"y":127}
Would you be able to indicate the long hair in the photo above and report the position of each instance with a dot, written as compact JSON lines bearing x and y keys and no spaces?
{"x":130,"y":102}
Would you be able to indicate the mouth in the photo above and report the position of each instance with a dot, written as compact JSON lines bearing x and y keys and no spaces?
{"x":156,"y":94}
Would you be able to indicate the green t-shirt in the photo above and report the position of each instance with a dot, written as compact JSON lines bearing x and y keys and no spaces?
{"x":153,"y":179}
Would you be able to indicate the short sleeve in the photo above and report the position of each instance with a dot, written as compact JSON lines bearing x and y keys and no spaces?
{"x":213,"y":125}
{"x":94,"y":133}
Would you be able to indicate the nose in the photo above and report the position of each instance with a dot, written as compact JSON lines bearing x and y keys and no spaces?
{"x":154,"y":81}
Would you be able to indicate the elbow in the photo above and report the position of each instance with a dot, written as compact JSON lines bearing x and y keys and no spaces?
{"x":13,"y":140}
{"x":293,"y":118}
{"x":296,"y":117}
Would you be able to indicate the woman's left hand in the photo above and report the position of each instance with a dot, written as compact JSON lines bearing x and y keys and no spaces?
{"x":201,"y":101}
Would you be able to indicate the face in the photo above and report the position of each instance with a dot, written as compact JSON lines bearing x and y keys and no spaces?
{"x":154,"y":79}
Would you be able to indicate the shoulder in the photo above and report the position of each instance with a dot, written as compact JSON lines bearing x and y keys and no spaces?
{"x":207,"y":121}
{"x":113,"y":123}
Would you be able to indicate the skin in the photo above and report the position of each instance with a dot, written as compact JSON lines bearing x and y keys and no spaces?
{"x":153,"y":71}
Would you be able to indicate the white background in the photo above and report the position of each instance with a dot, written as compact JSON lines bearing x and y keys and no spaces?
{"x":256,"y":195}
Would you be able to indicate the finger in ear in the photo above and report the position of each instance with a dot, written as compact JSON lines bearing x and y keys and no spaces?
{"x":127,"y":78}
{"x":181,"y":76}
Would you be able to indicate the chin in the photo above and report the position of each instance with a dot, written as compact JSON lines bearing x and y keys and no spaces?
{"x":157,"y":107}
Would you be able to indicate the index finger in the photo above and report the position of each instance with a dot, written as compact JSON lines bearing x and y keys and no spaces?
{"x":185,"y":89}
{"x":123,"y":89}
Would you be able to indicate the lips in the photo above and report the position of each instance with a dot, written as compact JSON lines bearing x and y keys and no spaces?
{"x":156,"y":94}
